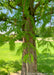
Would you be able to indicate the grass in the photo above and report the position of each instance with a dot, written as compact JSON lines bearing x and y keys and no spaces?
{"x":10,"y":62}
{"x":6,"y":54}
{"x":45,"y":61}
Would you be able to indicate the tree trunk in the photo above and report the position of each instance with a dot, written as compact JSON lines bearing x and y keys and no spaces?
{"x":29,"y":40}
{"x":24,"y":63}
{"x":30,"y":49}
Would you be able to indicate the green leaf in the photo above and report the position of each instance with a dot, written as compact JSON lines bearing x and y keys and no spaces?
{"x":12,"y":44}
{"x":51,"y":44}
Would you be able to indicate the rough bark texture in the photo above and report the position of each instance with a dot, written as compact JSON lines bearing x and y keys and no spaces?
{"x":28,"y":39}
{"x":23,"y":64}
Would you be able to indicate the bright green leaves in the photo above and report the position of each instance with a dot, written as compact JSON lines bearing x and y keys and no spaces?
{"x":44,"y":12}
{"x":3,"y":16}
{"x":3,"y":39}
{"x":17,"y":23}
{"x":19,"y":2}
{"x":3,"y":26}
{"x":32,"y":58}
{"x":12,"y":3}
{"x":20,"y":49}
{"x":44,"y":1}
{"x":47,"y":45}
{"x":50,"y":43}
{"x":25,"y":4}
{"x":46,"y":31}
{"x":12,"y":44}
{"x":28,"y":58}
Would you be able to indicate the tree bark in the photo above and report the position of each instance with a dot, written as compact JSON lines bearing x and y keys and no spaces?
{"x":29,"y":40}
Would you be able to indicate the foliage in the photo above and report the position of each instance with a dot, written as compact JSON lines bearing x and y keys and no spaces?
{"x":45,"y":43}
{"x":48,"y":32}
{"x":39,"y":14}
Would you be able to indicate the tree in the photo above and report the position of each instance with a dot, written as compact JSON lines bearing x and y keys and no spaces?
{"x":28,"y":12}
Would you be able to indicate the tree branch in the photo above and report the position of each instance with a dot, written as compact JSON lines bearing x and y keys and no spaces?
{"x":6,"y":20}
{"x":11,"y":5}
{"x":11,"y":21}
{"x":3,"y":19}
{"x":45,"y":14}
{"x":38,"y":4}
